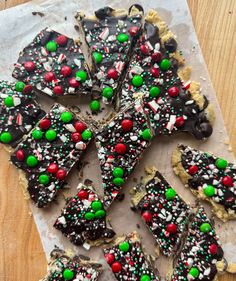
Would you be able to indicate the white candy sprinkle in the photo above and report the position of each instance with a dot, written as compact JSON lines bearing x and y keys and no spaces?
{"x":62,"y":220}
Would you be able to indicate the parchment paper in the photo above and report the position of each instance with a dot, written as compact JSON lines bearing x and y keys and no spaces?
{"x":19,"y":27}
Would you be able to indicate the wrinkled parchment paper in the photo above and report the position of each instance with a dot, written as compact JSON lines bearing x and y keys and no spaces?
{"x":19,"y":27}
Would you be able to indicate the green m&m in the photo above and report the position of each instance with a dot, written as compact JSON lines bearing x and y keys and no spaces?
{"x":194,"y":272}
{"x":145,"y":278}
{"x":44,"y":179}
{"x":165,"y":64}
{"x":37,"y":134}
{"x":118,"y":172}
{"x":146,"y":134}
{"x":66,"y":117}
{"x":137,"y":81}
{"x":31,"y":161}
{"x":118,"y":181}
{"x":107,"y":92}
{"x":205,"y":227}
{"x":5,"y":137}
{"x":100,"y":214}
{"x":8,"y":101}
{"x":51,"y":46}
{"x":221,"y":163}
{"x":96,"y":205}
{"x":50,"y":135}
{"x":89,"y":216}
{"x":97,"y":57}
{"x":122,"y":37}
{"x":170,"y":194}
{"x":19,"y":87}
{"x":95,"y":105}
{"x":209,"y":190}
{"x":81,"y":75}
{"x":154,"y":91}
{"x":68,"y":274}
{"x":86,"y":135}
{"x":124,"y":246}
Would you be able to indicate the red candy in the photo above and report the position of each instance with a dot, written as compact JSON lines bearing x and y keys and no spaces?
{"x":227,"y":181}
{"x":80,"y":126}
{"x":49,"y":76}
{"x":179,"y":122}
{"x":133,"y":30}
{"x":58,"y":90}
{"x":61,"y":40}
{"x":29,"y":66}
{"x":171,"y":228}
{"x":73,"y":83}
{"x":61,"y":174}
{"x":116,"y":267}
{"x":75,"y":137}
{"x":27,"y":89}
{"x":112,"y":74}
{"x":126,"y":125}
{"x":157,"y":56}
{"x":53,"y":168}
{"x":83,"y":194}
{"x":144,"y":49}
{"x":20,"y":155}
{"x":213,"y":249}
{"x":147,"y":216}
{"x":173,"y":92}
{"x":44,"y":124}
{"x":109,"y":258}
{"x":193,"y":170}
{"x":120,"y":148}
{"x":66,"y":71}
{"x":155,"y":72}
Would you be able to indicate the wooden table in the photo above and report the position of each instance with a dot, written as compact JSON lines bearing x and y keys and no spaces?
{"x":21,"y":253}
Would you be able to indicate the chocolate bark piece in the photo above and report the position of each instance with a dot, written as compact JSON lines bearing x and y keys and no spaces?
{"x":19,"y":111}
{"x":120,"y":145}
{"x":172,"y":104}
{"x":49,"y":152}
{"x":54,"y":65}
{"x":201,"y":256}
{"x":127,"y":260}
{"x":209,"y":177}
{"x":66,"y":266}
{"x":111,"y":36}
{"x":83,"y":219}
{"x":163,"y":210}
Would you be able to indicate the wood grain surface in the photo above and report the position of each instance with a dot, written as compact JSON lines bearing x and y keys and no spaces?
{"x":21,"y":253}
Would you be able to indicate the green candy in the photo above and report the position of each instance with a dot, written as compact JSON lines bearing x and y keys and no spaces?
{"x":8,"y":101}
{"x":66,"y":117}
{"x":124,"y":246}
{"x":194,"y":272}
{"x":146,"y":134}
{"x":95,"y":105}
{"x":86,"y":135}
{"x":37,"y":134}
{"x":205,"y":227}
{"x":68,"y":274}
{"x":97,"y":57}
{"x":100,"y":214}
{"x":32,"y":161}
{"x":170,"y":194}
{"x":5,"y":137}
{"x":107,"y":93}
{"x":122,"y":37}
{"x":44,"y":179}
{"x":118,"y":181}
{"x":221,"y":163}
{"x":165,"y":64}
{"x":89,"y":216}
{"x":50,"y":135}
{"x":145,"y":278}
{"x":51,"y":46}
{"x":209,"y":190}
{"x":96,"y":205}
{"x":118,"y":172}
{"x":154,"y":92}
{"x":82,"y":75}
{"x":19,"y":87}
{"x":137,"y":81}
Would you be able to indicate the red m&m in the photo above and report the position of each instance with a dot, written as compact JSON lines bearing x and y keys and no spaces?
{"x":173,"y":92}
{"x":127,"y":125}
{"x":120,"y":148}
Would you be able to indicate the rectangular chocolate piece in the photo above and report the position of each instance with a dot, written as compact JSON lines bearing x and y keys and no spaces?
{"x":120,"y":145}
{"x":83,"y":219}
{"x":50,"y":151}
{"x":64,"y":266}
{"x":18,"y":110}
{"x":163,"y":210}
{"x":201,"y":256}
{"x":111,"y":36}
{"x":54,"y":64}
{"x":127,"y":260}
